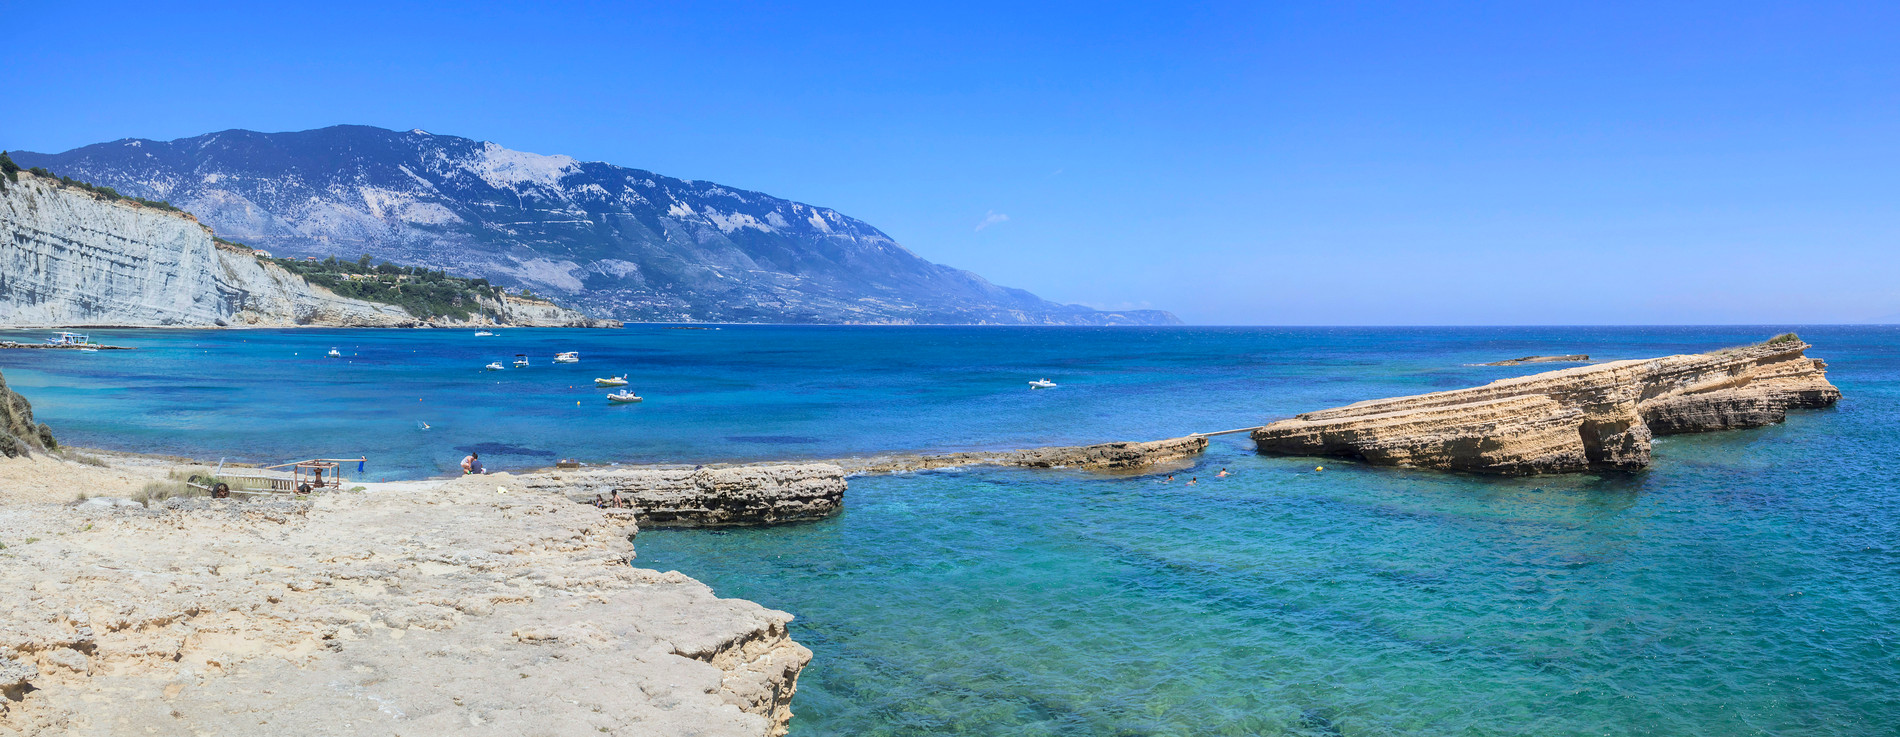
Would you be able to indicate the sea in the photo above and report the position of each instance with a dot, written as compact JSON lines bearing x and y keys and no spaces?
{"x":1747,"y":583}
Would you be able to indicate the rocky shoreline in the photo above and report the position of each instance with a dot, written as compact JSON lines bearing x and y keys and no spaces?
{"x":1598,"y":417}
{"x":457,"y":607}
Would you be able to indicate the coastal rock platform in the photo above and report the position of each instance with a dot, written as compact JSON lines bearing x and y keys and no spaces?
{"x":707,"y":496}
{"x":465,"y":607}
{"x":1108,"y":457}
{"x":1590,"y":417}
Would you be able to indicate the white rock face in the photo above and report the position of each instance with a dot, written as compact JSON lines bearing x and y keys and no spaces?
{"x":68,"y":257}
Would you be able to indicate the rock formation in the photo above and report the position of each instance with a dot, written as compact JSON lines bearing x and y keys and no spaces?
{"x":707,"y":497}
{"x":1589,"y":417}
{"x":18,"y":432}
{"x":1578,"y":358}
{"x":1120,"y":456}
{"x":459,"y":609}
{"x":71,"y":257}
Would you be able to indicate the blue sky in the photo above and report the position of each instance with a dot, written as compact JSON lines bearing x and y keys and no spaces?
{"x":1299,"y":163}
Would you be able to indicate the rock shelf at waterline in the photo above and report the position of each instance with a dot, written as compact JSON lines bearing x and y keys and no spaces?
{"x":1598,"y":417}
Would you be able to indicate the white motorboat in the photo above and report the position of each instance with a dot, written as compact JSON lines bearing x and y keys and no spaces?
{"x":482,"y":334}
{"x":624,"y":396}
{"x":334,"y":353}
{"x":1042,"y":384}
{"x":494,"y":366}
{"x":620,"y":380}
{"x":69,"y":339}
{"x":568,"y":357}
{"x":521,"y":360}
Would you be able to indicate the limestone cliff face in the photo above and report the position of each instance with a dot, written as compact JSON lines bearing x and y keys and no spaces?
{"x":708,"y":497}
{"x":70,"y":257}
{"x":1600,"y":416}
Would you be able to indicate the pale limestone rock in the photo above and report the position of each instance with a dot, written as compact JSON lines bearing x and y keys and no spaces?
{"x":1600,"y":416}
{"x":707,"y":497}
{"x":448,"y":611}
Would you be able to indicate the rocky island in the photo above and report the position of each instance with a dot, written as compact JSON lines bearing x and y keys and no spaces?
{"x":1590,"y":417}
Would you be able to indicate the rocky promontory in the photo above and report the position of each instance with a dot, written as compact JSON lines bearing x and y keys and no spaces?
{"x":1117,"y":456}
{"x":706,"y":497}
{"x":1589,"y":417}
{"x":466,"y":607}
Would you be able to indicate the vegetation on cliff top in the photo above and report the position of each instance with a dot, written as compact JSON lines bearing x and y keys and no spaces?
{"x":424,"y":292}
{"x":12,"y":172}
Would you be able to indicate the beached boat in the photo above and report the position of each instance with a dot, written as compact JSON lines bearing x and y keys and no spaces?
{"x":494,"y":366}
{"x":624,"y":396}
{"x":568,"y":357}
{"x":620,"y":380}
{"x":521,"y":360}
{"x":334,"y":353}
{"x":482,"y":333}
{"x":1042,"y":384}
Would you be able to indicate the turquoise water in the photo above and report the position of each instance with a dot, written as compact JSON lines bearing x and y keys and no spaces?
{"x":1748,"y":583}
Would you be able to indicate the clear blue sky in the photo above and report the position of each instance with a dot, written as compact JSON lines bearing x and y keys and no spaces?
{"x":1300,"y":163}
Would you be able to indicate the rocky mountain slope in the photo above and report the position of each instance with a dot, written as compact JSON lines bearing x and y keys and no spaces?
{"x":614,"y":241}
{"x":1591,"y":417}
{"x":70,"y":256}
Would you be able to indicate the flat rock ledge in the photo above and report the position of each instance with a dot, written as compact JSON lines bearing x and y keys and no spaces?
{"x":1589,"y":417}
{"x":707,"y":496}
{"x":1121,"y":456}
{"x":460,"y":609}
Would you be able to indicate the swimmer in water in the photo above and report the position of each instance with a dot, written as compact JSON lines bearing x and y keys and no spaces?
{"x":1222,"y":474}
{"x":1192,"y":480}
{"x":1170,"y":479}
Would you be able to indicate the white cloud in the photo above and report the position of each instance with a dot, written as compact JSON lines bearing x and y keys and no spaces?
{"x":991,"y":219}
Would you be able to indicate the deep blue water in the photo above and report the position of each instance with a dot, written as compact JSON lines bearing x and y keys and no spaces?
{"x":1747,"y":583}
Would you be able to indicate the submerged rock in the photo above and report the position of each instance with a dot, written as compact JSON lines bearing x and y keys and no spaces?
{"x":1591,"y":417}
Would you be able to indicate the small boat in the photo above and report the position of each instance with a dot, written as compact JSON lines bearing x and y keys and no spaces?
{"x":1042,"y":384}
{"x":494,"y":366}
{"x":620,"y":380}
{"x":521,"y":360}
{"x":334,"y":353}
{"x":623,"y":396}
{"x":69,"y":339}
{"x":483,"y":334}
{"x":568,"y":357}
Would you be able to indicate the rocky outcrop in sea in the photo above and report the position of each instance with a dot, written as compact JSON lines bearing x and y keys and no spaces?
{"x":71,"y":257}
{"x":707,"y":497}
{"x":1593,"y":417}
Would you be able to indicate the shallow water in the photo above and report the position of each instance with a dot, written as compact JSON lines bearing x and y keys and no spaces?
{"x":1748,"y":583}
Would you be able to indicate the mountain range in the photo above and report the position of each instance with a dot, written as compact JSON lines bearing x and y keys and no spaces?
{"x":610,"y":240}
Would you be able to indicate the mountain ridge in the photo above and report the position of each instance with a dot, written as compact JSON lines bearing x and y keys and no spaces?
{"x":611,"y":240}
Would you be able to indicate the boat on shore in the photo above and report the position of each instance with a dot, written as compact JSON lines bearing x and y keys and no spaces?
{"x":568,"y":357}
{"x":620,"y":380}
{"x":624,"y":396}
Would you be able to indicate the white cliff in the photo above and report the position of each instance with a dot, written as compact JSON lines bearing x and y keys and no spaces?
{"x":69,"y":257}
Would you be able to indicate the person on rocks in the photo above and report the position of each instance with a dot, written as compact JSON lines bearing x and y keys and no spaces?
{"x":472,"y":464}
{"x":619,"y":503}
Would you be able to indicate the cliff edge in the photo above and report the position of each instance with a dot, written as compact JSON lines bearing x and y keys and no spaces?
{"x":72,"y":257}
{"x":1591,"y":417}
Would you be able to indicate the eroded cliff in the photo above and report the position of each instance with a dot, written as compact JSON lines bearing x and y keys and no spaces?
{"x":1601,"y":416}
{"x":70,"y":257}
